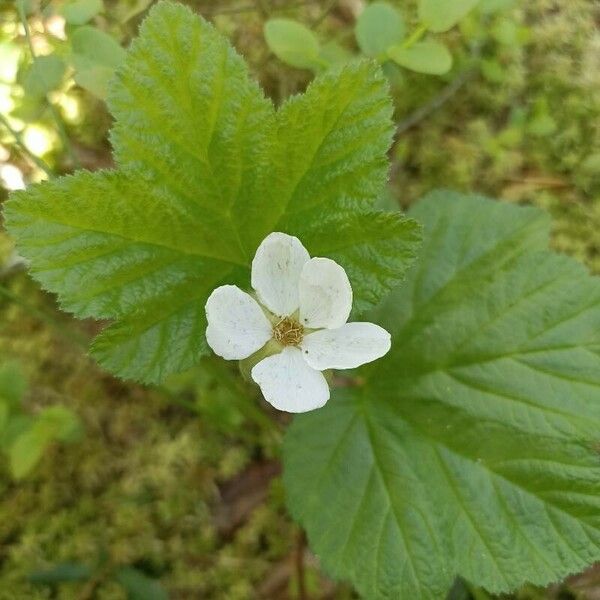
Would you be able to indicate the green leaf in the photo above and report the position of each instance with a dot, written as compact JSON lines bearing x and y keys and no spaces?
{"x":139,"y":586}
{"x":27,"y":450}
{"x":44,"y":75}
{"x":378,"y":27}
{"x":471,"y":449}
{"x":61,"y":573}
{"x":79,"y":12}
{"x":13,"y":384}
{"x":207,"y":169}
{"x":441,"y":15}
{"x":60,"y":422}
{"x":293,"y":43}
{"x":430,"y":56}
{"x":95,"y":57}
{"x":494,"y":6}
{"x":330,"y":168}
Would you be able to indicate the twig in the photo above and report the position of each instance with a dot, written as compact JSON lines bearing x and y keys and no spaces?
{"x":436,"y":102}
{"x":26,"y":151}
{"x":23,"y":18}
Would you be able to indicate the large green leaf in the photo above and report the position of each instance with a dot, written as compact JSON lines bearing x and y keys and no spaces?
{"x":471,"y":448}
{"x":207,"y":168}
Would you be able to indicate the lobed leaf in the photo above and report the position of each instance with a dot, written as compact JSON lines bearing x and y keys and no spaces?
{"x":206,"y":169}
{"x":472,"y":447}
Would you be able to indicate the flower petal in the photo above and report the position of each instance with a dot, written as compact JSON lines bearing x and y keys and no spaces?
{"x":325,"y":294}
{"x":348,"y":347}
{"x":276,"y":269}
{"x":289,"y":384}
{"x":237,"y":325}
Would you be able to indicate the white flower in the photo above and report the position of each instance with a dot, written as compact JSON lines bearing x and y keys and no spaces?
{"x":302,"y":308}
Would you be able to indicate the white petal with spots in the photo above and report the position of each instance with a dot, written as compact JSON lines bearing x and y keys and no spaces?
{"x":347,"y":347}
{"x":325,"y":294}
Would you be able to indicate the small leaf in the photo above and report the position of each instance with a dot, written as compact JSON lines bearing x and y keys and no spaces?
{"x":61,"y":573}
{"x":139,"y":586}
{"x":378,"y":27}
{"x":44,"y":75}
{"x":60,"y":422}
{"x":13,"y":428}
{"x":13,"y":384}
{"x":79,"y":12}
{"x":471,"y":448}
{"x":53,"y":423}
{"x":494,"y":6}
{"x":334,"y":54}
{"x":95,"y":57}
{"x":27,"y":450}
{"x":431,"y":57}
{"x":293,"y":43}
{"x":441,"y":15}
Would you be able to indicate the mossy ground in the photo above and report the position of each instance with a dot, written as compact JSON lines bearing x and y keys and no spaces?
{"x":178,"y":482}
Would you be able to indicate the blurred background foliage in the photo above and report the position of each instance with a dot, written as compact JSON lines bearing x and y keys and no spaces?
{"x":120,"y":491}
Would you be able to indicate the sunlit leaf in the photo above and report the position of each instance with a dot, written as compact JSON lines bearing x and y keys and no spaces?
{"x":207,"y":168}
{"x":293,"y":43}
{"x":430,"y":56}
{"x":378,"y":27}
{"x":95,"y":57}
{"x":79,"y":12}
{"x":44,"y":75}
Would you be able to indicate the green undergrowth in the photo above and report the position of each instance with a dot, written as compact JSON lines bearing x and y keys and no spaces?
{"x":141,"y":488}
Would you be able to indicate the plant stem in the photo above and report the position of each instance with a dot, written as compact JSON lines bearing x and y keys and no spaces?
{"x":326,"y":10}
{"x":415,"y":36}
{"x":19,"y":141}
{"x":23,"y":18}
{"x":53,"y":110}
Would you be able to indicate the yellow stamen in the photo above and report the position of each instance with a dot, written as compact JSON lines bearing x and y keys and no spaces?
{"x":288,"y":332}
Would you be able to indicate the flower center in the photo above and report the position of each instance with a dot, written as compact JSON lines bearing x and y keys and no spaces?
{"x":288,"y":332}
